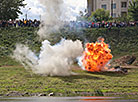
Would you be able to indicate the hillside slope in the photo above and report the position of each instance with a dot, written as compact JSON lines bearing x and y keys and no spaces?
{"x":16,"y":81}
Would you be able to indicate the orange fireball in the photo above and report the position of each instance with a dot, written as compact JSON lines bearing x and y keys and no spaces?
{"x":96,"y":56}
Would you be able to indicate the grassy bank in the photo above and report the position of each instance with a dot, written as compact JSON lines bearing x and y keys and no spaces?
{"x":121,"y":40}
{"x":16,"y":81}
{"x":9,"y":37}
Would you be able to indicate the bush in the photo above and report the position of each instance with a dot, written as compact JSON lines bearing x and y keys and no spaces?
{"x":121,"y":40}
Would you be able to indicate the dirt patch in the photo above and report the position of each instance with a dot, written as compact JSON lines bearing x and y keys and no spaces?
{"x":11,"y":66}
{"x":129,"y":67}
{"x":126,"y":60}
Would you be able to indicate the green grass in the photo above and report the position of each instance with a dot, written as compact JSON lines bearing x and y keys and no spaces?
{"x":9,"y":37}
{"x":16,"y":78}
{"x":121,"y":40}
{"x":13,"y":77}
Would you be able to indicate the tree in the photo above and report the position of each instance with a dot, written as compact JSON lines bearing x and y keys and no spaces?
{"x":123,"y":18}
{"x":133,"y":9}
{"x":99,"y":15}
{"x":82,"y":16}
{"x":10,"y":9}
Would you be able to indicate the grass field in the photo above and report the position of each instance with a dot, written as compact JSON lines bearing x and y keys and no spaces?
{"x":16,"y":81}
{"x":14,"y":78}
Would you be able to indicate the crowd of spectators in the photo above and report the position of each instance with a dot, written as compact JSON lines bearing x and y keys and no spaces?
{"x":102,"y":24}
{"x":71,"y":24}
{"x":19,"y":23}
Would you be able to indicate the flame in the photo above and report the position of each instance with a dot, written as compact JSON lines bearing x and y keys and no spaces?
{"x":96,"y":56}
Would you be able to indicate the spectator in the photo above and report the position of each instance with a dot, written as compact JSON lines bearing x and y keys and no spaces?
{"x":19,"y":23}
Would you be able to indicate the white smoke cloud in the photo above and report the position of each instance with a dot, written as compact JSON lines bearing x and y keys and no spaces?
{"x":53,"y":60}
{"x":57,"y":12}
{"x":54,"y":16}
{"x":38,"y":9}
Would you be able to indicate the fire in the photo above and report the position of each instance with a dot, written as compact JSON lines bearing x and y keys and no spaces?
{"x":96,"y":56}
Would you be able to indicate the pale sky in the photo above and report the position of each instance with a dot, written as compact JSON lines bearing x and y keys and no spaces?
{"x":37,"y":9}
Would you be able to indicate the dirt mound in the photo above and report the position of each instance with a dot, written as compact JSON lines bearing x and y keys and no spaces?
{"x":126,"y":60}
{"x":135,"y":63}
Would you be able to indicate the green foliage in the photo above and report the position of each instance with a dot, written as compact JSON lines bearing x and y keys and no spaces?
{"x":15,"y":78}
{"x":133,"y":9}
{"x":82,"y":16}
{"x":100,"y":15}
{"x":9,"y":37}
{"x":125,"y":18}
{"x":121,"y":40}
{"x":10,"y":9}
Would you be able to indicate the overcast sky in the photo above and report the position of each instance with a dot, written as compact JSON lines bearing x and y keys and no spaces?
{"x":37,"y":9}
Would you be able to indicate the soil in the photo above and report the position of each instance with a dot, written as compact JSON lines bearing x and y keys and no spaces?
{"x":126,"y":61}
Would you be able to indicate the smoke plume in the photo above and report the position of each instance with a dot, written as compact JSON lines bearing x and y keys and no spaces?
{"x":54,"y":17}
{"x":53,"y":60}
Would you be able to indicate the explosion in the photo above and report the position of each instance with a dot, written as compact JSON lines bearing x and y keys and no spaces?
{"x":96,"y":56}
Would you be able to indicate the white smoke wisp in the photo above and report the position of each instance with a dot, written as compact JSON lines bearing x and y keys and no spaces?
{"x":53,"y":60}
{"x":53,"y":18}
{"x":24,"y":55}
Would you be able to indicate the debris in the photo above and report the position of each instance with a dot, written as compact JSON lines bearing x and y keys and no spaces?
{"x":125,"y":60}
{"x":131,"y":60}
{"x":42,"y":94}
{"x":51,"y":94}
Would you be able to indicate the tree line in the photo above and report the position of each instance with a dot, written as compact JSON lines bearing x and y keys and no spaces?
{"x":10,"y":9}
{"x":104,"y":15}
